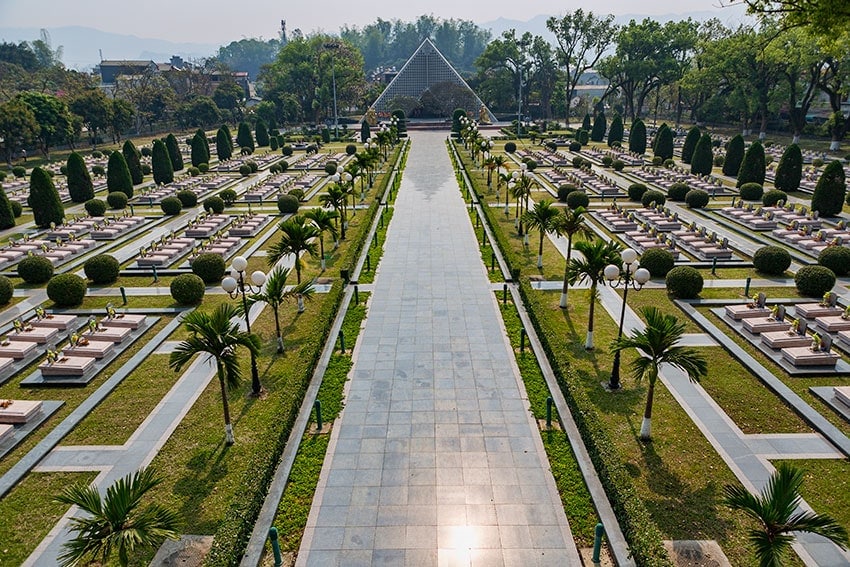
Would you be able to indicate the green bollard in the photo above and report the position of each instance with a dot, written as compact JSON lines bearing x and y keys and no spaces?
{"x":368,"y":263}
{"x":504,"y":294}
{"x":549,"y":403}
{"x":714,"y":266}
{"x":341,"y":342}
{"x":477,"y":221}
{"x":375,"y":240}
{"x":155,"y":276}
{"x":132,"y":211}
{"x":318,"y":405}
{"x":597,"y":543}
{"x":483,"y":237}
{"x":747,"y":287}
{"x":492,"y":261}
{"x":356,"y":295}
{"x":123,"y":294}
{"x":522,"y":340}
{"x":278,"y":560}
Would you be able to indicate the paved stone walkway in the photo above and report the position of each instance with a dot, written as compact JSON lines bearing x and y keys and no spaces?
{"x":435,"y":459}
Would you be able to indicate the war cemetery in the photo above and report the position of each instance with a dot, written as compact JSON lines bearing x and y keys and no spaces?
{"x":428,"y":321}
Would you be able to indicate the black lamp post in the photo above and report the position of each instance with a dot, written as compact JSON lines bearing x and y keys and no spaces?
{"x":235,"y":286}
{"x":630,"y":276}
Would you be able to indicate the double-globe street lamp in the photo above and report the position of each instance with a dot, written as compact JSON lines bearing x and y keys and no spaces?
{"x":631,"y":275}
{"x":235,"y":285}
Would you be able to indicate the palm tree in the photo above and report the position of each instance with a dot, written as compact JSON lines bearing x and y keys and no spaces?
{"x":522,"y":191}
{"x":595,"y":256}
{"x":658,"y":344}
{"x":571,"y":223}
{"x":275,"y":294}
{"x":324,"y":221}
{"x":336,"y":199}
{"x":214,"y":334}
{"x":499,"y":162}
{"x":775,"y":510}
{"x":297,"y":237}
{"x":116,"y":521}
{"x":490,"y":165}
{"x":542,"y":217}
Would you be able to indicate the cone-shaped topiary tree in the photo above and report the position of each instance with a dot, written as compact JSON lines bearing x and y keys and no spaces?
{"x":44,"y":199}
{"x":7,"y":215}
{"x":828,"y":198}
{"x":703,"y":158}
{"x":80,"y":185}
{"x":203,"y":135}
{"x":663,"y":147}
{"x":229,"y":136}
{"x":199,"y":151}
{"x":174,"y":152}
{"x":615,"y":132}
{"x":600,"y":124}
{"x":161,"y":164}
{"x":752,"y":168}
{"x":457,"y":114}
{"x":586,"y":123}
{"x":637,"y":137}
{"x":790,"y":169}
{"x":734,"y":156}
{"x":690,"y":145}
{"x":118,"y":175}
{"x":262,"y":133}
{"x":244,"y":137}
{"x":401,"y":123}
{"x":222,"y":145}
{"x":134,"y":163}
{"x":365,"y":131}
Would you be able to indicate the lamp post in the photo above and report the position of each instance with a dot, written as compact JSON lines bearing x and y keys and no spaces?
{"x":334,"y":47}
{"x":630,"y":276}
{"x":235,"y":286}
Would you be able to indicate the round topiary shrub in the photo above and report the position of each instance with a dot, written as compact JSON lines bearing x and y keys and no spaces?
{"x":719,"y":159}
{"x":253,"y":165}
{"x":772,"y":260}
{"x":814,"y":281}
{"x":19,"y":171}
{"x":510,"y":147}
{"x":653,"y":196}
{"x":657,"y":160}
{"x":575,"y":146}
{"x":187,"y":289}
{"x":117,"y":200}
{"x":245,"y":170}
{"x":6,"y":290}
{"x":770,"y":198}
{"x":350,"y":149}
{"x":578,"y":199}
{"x":697,"y":198}
{"x":203,"y":167}
{"x":97,"y":154}
{"x":678,"y":191}
{"x":684,"y":282}
{"x":171,"y":206}
{"x":837,"y":259}
{"x":194,"y":171}
{"x":209,"y":267}
{"x":636,"y":191}
{"x":752,"y":191}
{"x":35,"y":269}
{"x":228,"y":196}
{"x":66,"y":290}
{"x":102,"y":269}
{"x":146,"y":169}
{"x":287,"y":204}
{"x":96,"y":207}
{"x":17,"y":209}
{"x":330,"y":168}
{"x":578,"y":162}
{"x":187,"y":198}
{"x":297,"y":192}
{"x":146,"y":151}
{"x":618,"y":165}
{"x":286,"y":150}
{"x":564,"y":190}
{"x":98,"y":170}
{"x":668,"y":163}
{"x":658,"y":261}
{"x":607,"y":161}
{"x":214,"y":204}
{"x":817,"y":162}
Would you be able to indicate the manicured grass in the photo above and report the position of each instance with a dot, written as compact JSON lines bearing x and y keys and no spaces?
{"x":28,"y":512}
{"x":658,"y":298}
{"x":377,"y":252}
{"x":826,"y":486}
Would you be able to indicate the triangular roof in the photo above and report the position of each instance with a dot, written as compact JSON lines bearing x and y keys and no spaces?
{"x":425,"y":68}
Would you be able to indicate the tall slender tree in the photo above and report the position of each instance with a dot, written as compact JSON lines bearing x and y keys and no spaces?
{"x":789,"y":172}
{"x":199,"y":151}
{"x":753,"y":166}
{"x":324,"y":221}
{"x":296,"y":237}
{"x":571,"y":224}
{"x":134,"y":162}
{"x":7,"y":215}
{"x":80,"y":185}
{"x":690,"y":144}
{"x":173,"y":148}
{"x":734,"y":156}
{"x":276,"y":293}
{"x":118,"y":174}
{"x":223,"y":147}
{"x":702,"y":161}
{"x":44,"y":199}
{"x":596,"y":255}
{"x":161,"y":164}
{"x":262,"y":132}
{"x":637,"y":137}
{"x":541,"y":217}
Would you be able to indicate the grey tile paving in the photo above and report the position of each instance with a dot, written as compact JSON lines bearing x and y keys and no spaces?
{"x":450,"y":468}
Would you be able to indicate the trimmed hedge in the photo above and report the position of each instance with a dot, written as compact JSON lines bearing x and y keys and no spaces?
{"x":814,"y":281}
{"x":287,"y":204}
{"x":66,"y":290}
{"x":830,"y":191}
{"x":17,"y":209}
{"x":837,"y":259}
{"x":214,"y":204}
{"x":209,"y":267}
{"x":564,"y":190}
{"x":684,"y":282}
{"x":702,"y":161}
{"x":228,"y":196}
{"x":636,"y":191}
{"x":187,"y":198}
{"x":578,"y":199}
{"x":789,"y":172}
{"x":7,"y":289}
{"x":116,"y":200}
{"x":102,"y":269}
{"x":658,"y":261}
{"x":637,"y":137}
{"x":734,"y":156}
{"x":35,"y":269}
{"x":96,"y":207}
{"x":187,"y":289}
{"x":697,"y":198}
{"x":171,"y":206}
{"x":510,"y":147}
{"x":751,"y":191}
{"x":772,"y":260}
{"x":690,"y":144}
{"x":753,"y":167}
{"x":770,"y":198}
{"x":653,"y":196}
{"x":678,"y":191}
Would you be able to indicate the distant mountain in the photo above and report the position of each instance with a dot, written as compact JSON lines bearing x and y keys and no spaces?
{"x":730,"y":16}
{"x":81,"y":45}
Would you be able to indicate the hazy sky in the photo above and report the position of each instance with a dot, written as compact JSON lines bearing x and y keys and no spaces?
{"x":219,"y":21}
